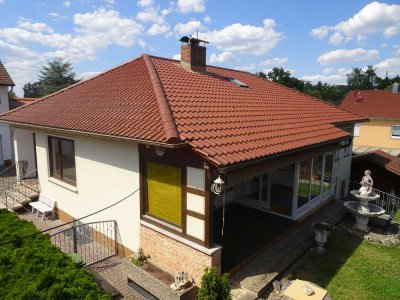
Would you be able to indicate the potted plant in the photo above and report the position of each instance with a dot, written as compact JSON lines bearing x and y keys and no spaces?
{"x":322,"y":230}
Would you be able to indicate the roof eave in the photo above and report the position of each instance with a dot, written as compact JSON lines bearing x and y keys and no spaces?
{"x":99,"y":135}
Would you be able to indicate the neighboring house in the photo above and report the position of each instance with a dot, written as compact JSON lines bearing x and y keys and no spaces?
{"x":6,"y":151}
{"x":17,"y":102}
{"x":383,"y":110}
{"x":385,"y":170}
{"x":171,"y":128}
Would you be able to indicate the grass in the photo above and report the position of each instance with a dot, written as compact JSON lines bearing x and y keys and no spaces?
{"x":396,"y":217}
{"x":33,"y":268}
{"x":353,"y":269}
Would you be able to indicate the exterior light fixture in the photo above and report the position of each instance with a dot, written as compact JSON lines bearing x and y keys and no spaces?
{"x":218,"y":186}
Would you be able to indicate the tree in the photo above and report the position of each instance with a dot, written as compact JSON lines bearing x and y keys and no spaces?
{"x":54,"y":76}
{"x":279,"y":75}
{"x":32,"y":90}
{"x":12,"y":95}
{"x":358,"y":79}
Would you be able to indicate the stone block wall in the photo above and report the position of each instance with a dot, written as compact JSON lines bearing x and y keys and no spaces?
{"x":172,"y":255}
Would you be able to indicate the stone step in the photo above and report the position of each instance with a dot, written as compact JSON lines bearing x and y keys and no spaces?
{"x":242,"y":294}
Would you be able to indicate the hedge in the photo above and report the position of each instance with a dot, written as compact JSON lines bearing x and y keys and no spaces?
{"x":33,"y":268}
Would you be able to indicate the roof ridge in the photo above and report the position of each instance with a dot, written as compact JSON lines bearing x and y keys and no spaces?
{"x":167,"y":118}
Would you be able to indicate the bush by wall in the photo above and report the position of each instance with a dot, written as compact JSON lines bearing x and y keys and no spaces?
{"x":33,"y":268}
{"x":213,"y":287}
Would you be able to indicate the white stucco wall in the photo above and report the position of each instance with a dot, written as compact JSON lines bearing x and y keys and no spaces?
{"x":23,"y":147}
{"x":106,"y":171}
{"x":5,"y":132}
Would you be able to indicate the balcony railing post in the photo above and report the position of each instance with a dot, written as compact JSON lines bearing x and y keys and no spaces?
{"x":116,"y":236}
{"x":74,"y":239}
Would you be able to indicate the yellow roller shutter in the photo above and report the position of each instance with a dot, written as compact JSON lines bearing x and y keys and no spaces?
{"x":164,"y":192}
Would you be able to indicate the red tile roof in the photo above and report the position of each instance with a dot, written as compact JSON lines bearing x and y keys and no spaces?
{"x":17,"y":102}
{"x":383,"y":159}
{"x":154,"y":99}
{"x":5,"y":78}
{"x":373,"y":103}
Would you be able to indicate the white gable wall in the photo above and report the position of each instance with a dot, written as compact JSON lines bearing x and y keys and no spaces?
{"x":106,"y":171}
{"x":5,"y":133}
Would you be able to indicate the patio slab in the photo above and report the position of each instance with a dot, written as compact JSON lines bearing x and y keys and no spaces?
{"x":257,"y":275}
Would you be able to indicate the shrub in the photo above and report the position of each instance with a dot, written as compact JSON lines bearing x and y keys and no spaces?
{"x":214,"y":287}
{"x":33,"y":268}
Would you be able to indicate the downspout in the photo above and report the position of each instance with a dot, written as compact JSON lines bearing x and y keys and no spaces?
{"x":12,"y":88}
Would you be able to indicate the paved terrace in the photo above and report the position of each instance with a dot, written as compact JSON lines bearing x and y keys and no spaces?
{"x":257,"y":275}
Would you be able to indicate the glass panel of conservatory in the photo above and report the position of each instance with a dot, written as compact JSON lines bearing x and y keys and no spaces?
{"x":316,"y":176}
{"x":327,"y":181}
{"x":304,"y":182}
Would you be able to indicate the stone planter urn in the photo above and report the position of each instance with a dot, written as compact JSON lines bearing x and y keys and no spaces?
{"x":322,"y":231}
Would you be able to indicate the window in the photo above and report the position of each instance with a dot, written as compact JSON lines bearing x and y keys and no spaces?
{"x":356,"y":129}
{"x":237,"y":82}
{"x":396,"y":131}
{"x":304,"y":182}
{"x":164,"y":192}
{"x":327,"y":179}
{"x":62,"y":159}
{"x":336,"y":155}
{"x":347,"y":150}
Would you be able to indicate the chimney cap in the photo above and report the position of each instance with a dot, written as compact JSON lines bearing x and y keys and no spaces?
{"x":191,"y":40}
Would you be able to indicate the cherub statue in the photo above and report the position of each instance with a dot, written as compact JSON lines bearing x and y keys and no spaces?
{"x":181,"y":281}
{"x":366,"y":183}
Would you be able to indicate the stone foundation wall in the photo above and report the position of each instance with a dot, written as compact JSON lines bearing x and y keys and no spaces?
{"x":173,"y":256}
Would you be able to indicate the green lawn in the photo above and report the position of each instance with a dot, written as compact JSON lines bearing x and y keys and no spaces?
{"x":353,"y":269}
{"x":396,"y":217}
{"x":33,"y":268}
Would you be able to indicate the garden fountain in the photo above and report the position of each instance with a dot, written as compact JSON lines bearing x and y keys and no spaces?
{"x":362,"y":209}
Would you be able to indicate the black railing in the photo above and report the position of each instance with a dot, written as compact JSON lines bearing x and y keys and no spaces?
{"x":93,"y":241}
{"x":389,"y":202}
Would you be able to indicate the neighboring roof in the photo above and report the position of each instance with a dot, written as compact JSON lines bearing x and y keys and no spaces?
{"x":373,"y":103}
{"x":155,"y":99}
{"x":5,"y":78}
{"x":382,"y":159}
{"x":360,"y":149}
{"x":17,"y":102}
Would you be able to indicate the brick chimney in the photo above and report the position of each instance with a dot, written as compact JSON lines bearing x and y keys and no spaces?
{"x":193,"y":56}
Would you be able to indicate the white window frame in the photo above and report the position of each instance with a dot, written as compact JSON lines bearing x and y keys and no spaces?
{"x":356,"y":131}
{"x":391,"y":132}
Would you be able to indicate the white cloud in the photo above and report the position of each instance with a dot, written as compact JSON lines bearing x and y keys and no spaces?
{"x":39,"y":26}
{"x":111,"y":2}
{"x":384,"y":45}
{"x":158,"y":29}
{"x":373,"y":18}
{"x":67,"y":3}
{"x":150,"y":14}
{"x":207,"y":19}
{"x":223,"y":57}
{"x":142,"y":43}
{"x":320,"y":32}
{"x":245,"y":38}
{"x":274,"y":62}
{"x":55,"y":16}
{"x":331,"y":79}
{"x":86,"y":75}
{"x":185,"y":6}
{"x":328,"y":70}
{"x":177,"y":56}
{"x":187,"y":28}
{"x":343,"y":55}
{"x":145,"y":3}
{"x":93,"y":31}
{"x":336,"y":39}
{"x":247,"y":68}
{"x":2,"y":2}
{"x":391,"y":65}
{"x":397,"y":52}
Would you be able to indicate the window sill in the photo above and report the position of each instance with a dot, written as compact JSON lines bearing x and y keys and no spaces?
{"x":395,"y":137}
{"x":208,"y":251}
{"x":63,"y":184}
{"x":165,"y":224}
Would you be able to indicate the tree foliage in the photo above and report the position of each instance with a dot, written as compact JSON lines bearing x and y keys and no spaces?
{"x":358,"y":79}
{"x":214,"y":287}
{"x":54,"y":76}
{"x":33,"y":268}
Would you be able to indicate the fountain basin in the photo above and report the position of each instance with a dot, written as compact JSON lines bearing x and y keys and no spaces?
{"x":363,"y":212}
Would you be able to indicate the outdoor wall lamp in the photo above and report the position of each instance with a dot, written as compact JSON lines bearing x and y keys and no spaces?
{"x":218,"y":185}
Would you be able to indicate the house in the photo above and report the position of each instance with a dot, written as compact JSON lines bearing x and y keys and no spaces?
{"x":18,"y":101}
{"x":385,"y":170}
{"x":382,"y":107}
{"x":171,"y":128}
{"x":6,"y":150}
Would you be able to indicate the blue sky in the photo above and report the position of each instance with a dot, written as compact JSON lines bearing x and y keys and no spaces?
{"x":315,"y":40}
